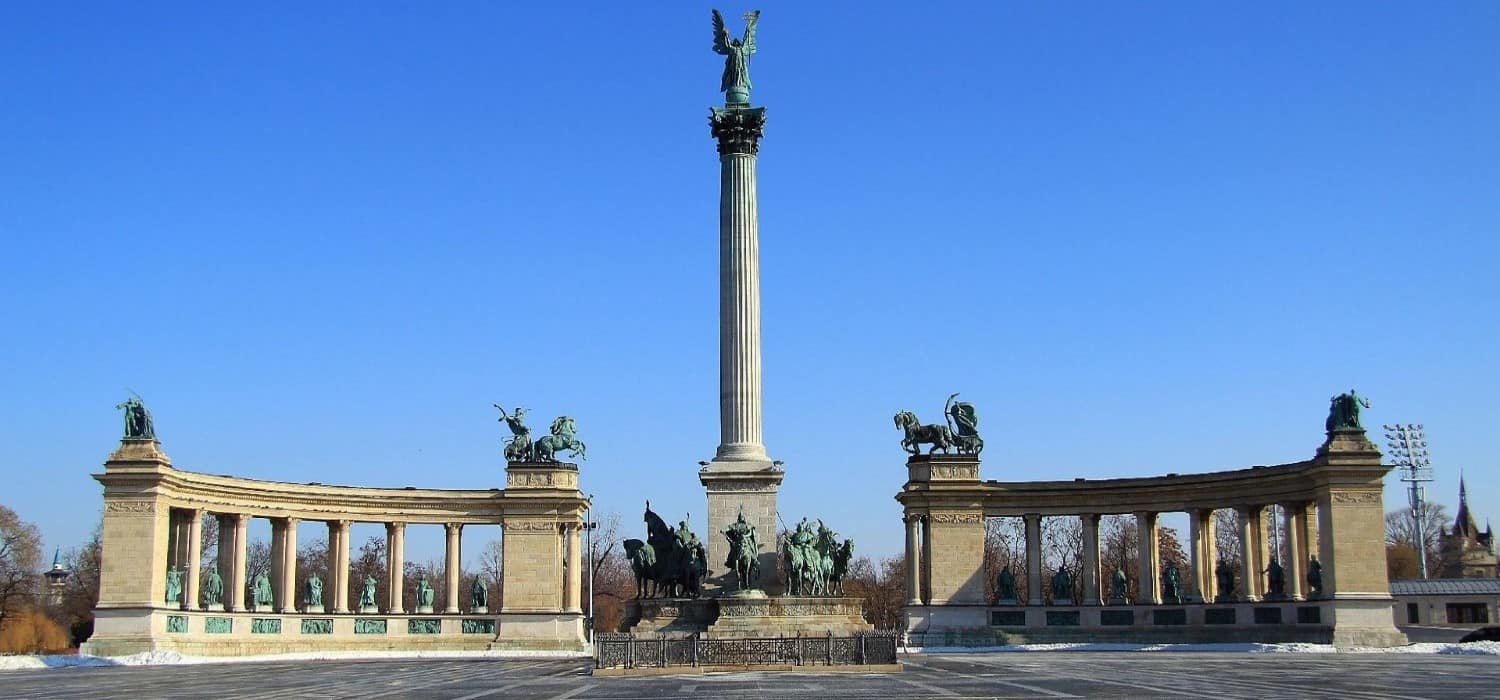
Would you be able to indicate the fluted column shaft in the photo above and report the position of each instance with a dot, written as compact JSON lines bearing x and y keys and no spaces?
{"x":1090,"y":573}
{"x":1250,"y":548}
{"x":194,"y":561}
{"x":338,"y":564}
{"x":573,"y":581}
{"x":1033,"y":558}
{"x":236,"y":580}
{"x":913,"y":561}
{"x":1296,"y":552}
{"x":739,"y":311}
{"x":1148,"y":591}
{"x":454,"y":533}
{"x":395,"y":555}
{"x":288,"y":571}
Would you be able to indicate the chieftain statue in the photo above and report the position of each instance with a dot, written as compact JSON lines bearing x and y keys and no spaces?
{"x":425,"y":594}
{"x":312,"y":593}
{"x":367,"y":594}
{"x":670,"y":563}
{"x":479,"y":595}
{"x":1343,"y":412}
{"x":213,"y":589}
{"x":1005,"y":586}
{"x":1275,"y":581}
{"x":137,"y":419}
{"x":1117,"y":585}
{"x":815,"y":561}
{"x":174,"y":585}
{"x":744,"y":552}
{"x":1314,"y":579}
{"x":736,"y":82}
{"x":1171,"y":584}
{"x":1224,"y":579}
{"x":260,"y":592}
{"x":1062,"y":586}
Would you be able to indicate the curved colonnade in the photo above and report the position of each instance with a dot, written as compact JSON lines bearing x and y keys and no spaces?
{"x":1332,"y":509}
{"x":152,"y":525}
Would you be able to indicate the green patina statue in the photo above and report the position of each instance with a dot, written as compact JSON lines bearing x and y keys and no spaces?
{"x":1314,"y":578}
{"x":1117,"y":584}
{"x":137,"y":419}
{"x":479,"y":595}
{"x":914,"y":434}
{"x":815,"y":561}
{"x":670,"y":562}
{"x":963,"y":424}
{"x":312,"y":593}
{"x":1343,"y":412}
{"x":1224,"y":580}
{"x":367,"y":594}
{"x":518,"y":447}
{"x":1275,"y":581}
{"x":260,"y":592}
{"x":425,"y":593}
{"x":1005,"y":585}
{"x":1062,"y":586}
{"x":744,"y":552}
{"x":213,"y":589}
{"x":736,"y":81}
{"x":563,"y":437}
{"x":1171,"y":584}
{"x":174,"y":585}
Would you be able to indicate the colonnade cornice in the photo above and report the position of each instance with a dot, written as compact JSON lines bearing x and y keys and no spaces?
{"x":321,"y":502}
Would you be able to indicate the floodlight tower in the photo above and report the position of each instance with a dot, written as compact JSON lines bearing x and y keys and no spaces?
{"x":1408,"y":445}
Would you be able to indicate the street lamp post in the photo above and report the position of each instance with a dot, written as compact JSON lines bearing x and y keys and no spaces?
{"x":588,"y":532}
{"x":1408,"y":445}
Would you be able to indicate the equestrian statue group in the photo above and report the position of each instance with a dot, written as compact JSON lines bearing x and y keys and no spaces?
{"x":519,"y":448}
{"x":961,"y":434}
{"x":670,"y":563}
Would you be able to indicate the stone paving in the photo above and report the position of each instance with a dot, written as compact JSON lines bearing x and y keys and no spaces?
{"x":1032,"y":674}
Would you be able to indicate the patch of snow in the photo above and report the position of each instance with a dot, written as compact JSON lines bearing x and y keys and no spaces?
{"x":1470,"y":649}
{"x":172,"y":658}
{"x":1294,"y":648}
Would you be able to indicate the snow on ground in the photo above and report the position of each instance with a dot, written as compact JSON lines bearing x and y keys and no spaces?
{"x":172,"y":658}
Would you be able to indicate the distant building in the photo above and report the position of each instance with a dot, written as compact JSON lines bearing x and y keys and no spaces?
{"x":1465,"y":551}
{"x":1465,"y":602}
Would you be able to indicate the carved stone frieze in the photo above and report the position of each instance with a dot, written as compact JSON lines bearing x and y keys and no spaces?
{"x":133,"y":507}
{"x":1357,"y":497}
{"x":531,"y":525}
{"x":957,"y":518}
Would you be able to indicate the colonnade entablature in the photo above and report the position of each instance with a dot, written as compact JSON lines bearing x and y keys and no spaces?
{"x":1334,"y":549}
{"x":152,"y":558}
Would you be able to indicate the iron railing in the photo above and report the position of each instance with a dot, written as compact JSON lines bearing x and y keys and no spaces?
{"x":615,"y":650}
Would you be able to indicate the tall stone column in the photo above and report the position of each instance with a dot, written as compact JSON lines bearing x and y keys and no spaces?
{"x":190,"y":577}
{"x":1033,"y":558}
{"x":395,"y":559}
{"x":741,"y":478}
{"x":338,"y":563}
{"x":1090,"y":573}
{"x":289,"y":567}
{"x":573,"y":583}
{"x":926,"y":560}
{"x":454,"y":532}
{"x":236,"y":580}
{"x":913,"y":560}
{"x":224,"y":560}
{"x":1250,"y":563}
{"x":1296,"y":553}
{"x":278,"y":564}
{"x":1148,"y":589}
{"x":1194,"y":588}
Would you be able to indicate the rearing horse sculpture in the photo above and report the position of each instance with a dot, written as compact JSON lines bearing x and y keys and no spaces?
{"x":916,"y":434}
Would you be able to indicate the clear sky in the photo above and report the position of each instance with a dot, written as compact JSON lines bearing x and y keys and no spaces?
{"x":1140,"y":237}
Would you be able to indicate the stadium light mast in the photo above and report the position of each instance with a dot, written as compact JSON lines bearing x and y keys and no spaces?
{"x":1408,"y":445}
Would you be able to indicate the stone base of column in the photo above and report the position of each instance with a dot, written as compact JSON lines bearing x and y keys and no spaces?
{"x":733,"y":488}
{"x":539,"y":631}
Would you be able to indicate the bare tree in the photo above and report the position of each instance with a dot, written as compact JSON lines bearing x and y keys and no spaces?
{"x":491,"y":568}
{"x":883,"y":588}
{"x":369,"y":562}
{"x":1118,"y":551}
{"x":208,"y":556}
{"x":1401,"y":531}
{"x":1004,"y":545}
{"x":20,"y":556}
{"x":81,"y":591}
{"x":1062,"y":547}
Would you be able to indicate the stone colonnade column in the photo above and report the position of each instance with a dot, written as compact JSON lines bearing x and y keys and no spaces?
{"x":236,"y":580}
{"x":224,"y":559}
{"x":913,"y":560}
{"x":1090,"y":573}
{"x":288,"y":582}
{"x":395,"y":558}
{"x":194,"y":562}
{"x":926,"y":559}
{"x":1148,"y":589}
{"x":1250,"y":551}
{"x":1033,"y":558}
{"x":1201,"y":534}
{"x":338,"y":564}
{"x":573,"y":584}
{"x":1296,"y":552}
{"x":454,"y":532}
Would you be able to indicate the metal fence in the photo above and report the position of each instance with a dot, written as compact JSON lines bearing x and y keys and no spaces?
{"x":629,"y":651}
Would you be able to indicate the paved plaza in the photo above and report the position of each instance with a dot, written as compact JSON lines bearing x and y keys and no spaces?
{"x":1032,"y":674}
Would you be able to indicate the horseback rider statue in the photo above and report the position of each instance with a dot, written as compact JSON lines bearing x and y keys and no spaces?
{"x":744,"y":552}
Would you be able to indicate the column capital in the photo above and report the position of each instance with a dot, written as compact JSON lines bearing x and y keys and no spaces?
{"x":737,"y":129}
{"x":453,"y":527}
{"x":395,"y":526}
{"x":240,"y":518}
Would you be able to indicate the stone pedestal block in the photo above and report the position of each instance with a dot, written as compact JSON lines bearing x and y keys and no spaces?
{"x":752,"y":492}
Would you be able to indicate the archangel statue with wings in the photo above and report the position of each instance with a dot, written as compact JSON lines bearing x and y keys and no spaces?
{"x":736,"y":52}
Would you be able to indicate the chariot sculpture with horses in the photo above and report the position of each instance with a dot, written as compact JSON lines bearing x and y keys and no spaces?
{"x":564,"y":436}
{"x":961,"y":434}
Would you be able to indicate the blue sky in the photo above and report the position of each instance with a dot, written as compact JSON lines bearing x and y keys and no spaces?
{"x":1141,"y":238}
